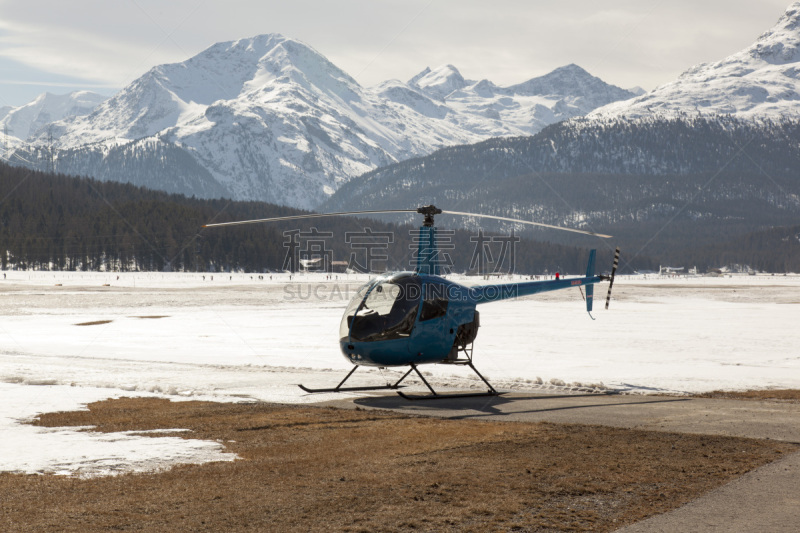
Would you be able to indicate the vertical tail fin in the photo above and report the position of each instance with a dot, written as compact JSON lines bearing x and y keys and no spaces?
{"x":589,"y":274}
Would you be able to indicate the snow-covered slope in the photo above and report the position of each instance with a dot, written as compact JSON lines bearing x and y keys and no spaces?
{"x":272,"y":119}
{"x":762,"y":80}
{"x":28,"y":120}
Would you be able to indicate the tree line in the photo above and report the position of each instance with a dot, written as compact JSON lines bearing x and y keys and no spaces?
{"x":59,"y":222}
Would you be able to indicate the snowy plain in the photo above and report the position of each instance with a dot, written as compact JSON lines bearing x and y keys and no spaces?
{"x":68,"y":339}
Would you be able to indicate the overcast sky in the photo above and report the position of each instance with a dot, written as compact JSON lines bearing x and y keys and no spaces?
{"x":102,"y":45}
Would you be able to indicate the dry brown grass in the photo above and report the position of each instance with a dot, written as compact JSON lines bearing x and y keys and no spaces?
{"x":94,"y":323}
{"x":325,"y":469}
{"x":784,"y":395}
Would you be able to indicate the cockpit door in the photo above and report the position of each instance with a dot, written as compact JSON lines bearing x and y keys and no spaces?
{"x":432,"y":338}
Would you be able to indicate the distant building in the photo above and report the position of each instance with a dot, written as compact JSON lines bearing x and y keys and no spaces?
{"x":339,"y":266}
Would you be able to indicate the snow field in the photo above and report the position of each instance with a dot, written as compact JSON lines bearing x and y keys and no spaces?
{"x":67,"y":339}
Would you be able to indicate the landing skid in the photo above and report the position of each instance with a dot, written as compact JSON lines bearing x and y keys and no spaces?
{"x":432,"y":396}
{"x":339,"y":388}
{"x":352,"y":389}
{"x":437,"y":396}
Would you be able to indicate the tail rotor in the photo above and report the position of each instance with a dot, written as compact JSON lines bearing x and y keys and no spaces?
{"x":611,"y":278}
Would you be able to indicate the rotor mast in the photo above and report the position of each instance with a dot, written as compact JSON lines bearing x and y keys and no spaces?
{"x":428,"y":211}
{"x":427,"y":251}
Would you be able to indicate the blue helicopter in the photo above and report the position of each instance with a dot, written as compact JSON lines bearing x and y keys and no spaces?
{"x":407,"y":319}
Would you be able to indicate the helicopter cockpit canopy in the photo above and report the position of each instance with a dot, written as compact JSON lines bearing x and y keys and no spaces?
{"x":383,"y":309}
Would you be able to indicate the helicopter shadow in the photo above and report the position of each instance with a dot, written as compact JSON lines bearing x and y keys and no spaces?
{"x":506,"y":405}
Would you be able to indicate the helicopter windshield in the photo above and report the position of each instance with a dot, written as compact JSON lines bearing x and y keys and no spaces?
{"x":387,"y":312}
{"x":352,"y":307}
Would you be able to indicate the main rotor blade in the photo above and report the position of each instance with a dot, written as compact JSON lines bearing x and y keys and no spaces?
{"x":387,"y":211}
{"x":315,"y":215}
{"x":529,"y":223}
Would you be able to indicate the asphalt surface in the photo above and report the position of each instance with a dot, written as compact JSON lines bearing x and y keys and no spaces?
{"x":764,"y":500}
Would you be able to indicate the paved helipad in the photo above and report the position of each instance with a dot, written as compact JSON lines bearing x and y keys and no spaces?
{"x":766,"y":499}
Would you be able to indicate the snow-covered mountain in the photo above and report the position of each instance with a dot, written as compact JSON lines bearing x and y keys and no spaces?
{"x":272,"y":119}
{"x":30,"y":119}
{"x":674,"y":157}
{"x":762,"y":80}
{"x":486,"y":110}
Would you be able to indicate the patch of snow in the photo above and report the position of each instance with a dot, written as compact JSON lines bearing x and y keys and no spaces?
{"x":80,"y":451}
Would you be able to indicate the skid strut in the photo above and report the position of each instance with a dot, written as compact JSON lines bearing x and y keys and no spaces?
{"x":436,"y":396}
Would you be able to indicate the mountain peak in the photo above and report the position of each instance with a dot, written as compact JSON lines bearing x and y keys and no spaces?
{"x":570,"y":80}
{"x":227,"y":70}
{"x":258,"y":45}
{"x":439,"y":82}
{"x":303,"y":58}
{"x":571,"y":69}
{"x":781,"y":43}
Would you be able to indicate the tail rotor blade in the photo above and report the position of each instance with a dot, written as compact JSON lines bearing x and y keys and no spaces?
{"x":613,"y":273}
